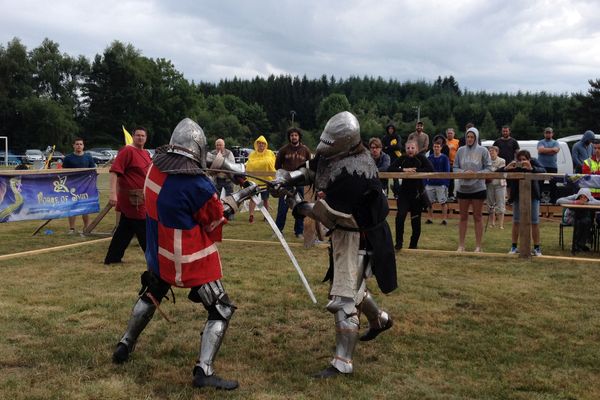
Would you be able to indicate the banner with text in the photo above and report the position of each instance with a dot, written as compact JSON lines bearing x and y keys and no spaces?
{"x":48,"y":196}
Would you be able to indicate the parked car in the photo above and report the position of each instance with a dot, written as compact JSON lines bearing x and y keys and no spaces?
{"x":11,"y":160}
{"x":57,"y":155}
{"x":34,"y":155}
{"x":106,"y":151}
{"x":110,"y":152}
{"x":99,"y":158}
{"x":241,"y":154}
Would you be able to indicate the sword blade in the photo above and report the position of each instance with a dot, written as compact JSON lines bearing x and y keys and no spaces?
{"x":258,"y":201}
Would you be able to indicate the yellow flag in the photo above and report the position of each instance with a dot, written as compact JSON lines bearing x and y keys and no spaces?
{"x":128,"y":138}
{"x":49,"y":157}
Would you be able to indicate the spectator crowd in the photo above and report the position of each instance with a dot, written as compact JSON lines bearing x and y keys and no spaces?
{"x":418,"y":151}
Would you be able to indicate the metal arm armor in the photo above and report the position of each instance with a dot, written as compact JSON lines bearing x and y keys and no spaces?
{"x":302,"y":209}
{"x":231,"y":203}
{"x":286,"y":179}
{"x":300,"y":177}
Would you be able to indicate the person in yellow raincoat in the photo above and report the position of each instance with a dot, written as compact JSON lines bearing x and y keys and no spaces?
{"x":260,"y":160}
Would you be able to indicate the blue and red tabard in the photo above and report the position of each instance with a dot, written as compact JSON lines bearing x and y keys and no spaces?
{"x":184,"y":220}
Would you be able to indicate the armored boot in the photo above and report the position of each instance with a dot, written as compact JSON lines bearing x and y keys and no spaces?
{"x":346,"y":336}
{"x":140,"y":316}
{"x":204,"y":375}
{"x":379,"y":320}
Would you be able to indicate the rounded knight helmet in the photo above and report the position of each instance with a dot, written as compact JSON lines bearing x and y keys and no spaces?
{"x":340,"y":136}
{"x":188,"y":139}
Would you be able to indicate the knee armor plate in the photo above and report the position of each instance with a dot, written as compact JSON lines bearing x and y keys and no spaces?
{"x":212,"y":295}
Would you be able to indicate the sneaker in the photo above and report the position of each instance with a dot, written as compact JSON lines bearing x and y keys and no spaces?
{"x":536,"y":252}
{"x":429,"y":222}
{"x":299,"y":236}
{"x":513,"y":250}
{"x":444,"y":222}
{"x":477,"y":250}
{"x":460,"y":250}
{"x":71,"y":232}
{"x":251,"y":219}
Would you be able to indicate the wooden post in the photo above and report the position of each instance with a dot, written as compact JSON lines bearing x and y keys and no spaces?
{"x":39,"y":228}
{"x":88,"y":229}
{"x":525,"y":217}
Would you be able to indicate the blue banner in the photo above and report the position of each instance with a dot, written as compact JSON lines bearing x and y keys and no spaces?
{"x":48,"y":195}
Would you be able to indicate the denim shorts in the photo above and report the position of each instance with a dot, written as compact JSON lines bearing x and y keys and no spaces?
{"x":535,"y":211}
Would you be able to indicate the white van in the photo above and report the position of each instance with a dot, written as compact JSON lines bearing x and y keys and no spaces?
{"x":571,"y":140}
{"x":564,"y":163}
{"x":563,"y":158}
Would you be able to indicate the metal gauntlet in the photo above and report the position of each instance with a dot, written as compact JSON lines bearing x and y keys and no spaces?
{"x":285,"y":181}
{"x":219,"y":163}
{"x":232,"y":203}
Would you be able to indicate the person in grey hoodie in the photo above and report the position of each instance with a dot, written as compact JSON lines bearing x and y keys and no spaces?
{"x":582,"y":219}
{"x":582,"y":150}
{"x":471,"y":192}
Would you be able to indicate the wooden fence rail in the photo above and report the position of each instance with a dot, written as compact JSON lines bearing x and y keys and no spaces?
{"x":525,"y":180}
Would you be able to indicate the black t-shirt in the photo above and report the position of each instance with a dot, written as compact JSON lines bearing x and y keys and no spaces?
{"x":420,"y":162}
{"x":507,"y":148}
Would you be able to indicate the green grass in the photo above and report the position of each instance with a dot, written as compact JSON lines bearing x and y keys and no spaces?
{"x":466,"y":327}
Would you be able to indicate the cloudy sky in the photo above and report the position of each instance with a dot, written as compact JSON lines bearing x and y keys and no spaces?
{"x":496,"y":45}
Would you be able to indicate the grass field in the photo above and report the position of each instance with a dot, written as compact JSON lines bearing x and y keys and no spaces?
{"x":467,"y":327}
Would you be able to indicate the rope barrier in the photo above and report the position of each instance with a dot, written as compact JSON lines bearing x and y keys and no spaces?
{"x":320,"y":245}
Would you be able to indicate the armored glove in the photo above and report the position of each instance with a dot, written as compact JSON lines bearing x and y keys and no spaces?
{"x":285,"y":181}
{"x":293,"y":200}
{"x":232,"y":203}
{"x":300,"y":208}
{"x":218,"y":162}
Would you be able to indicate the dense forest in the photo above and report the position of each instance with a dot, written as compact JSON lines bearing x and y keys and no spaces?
{"x":48,"y":97}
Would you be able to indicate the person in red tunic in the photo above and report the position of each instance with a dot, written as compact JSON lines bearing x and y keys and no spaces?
{"x":184,"y":222}
{"x":127,"y":175}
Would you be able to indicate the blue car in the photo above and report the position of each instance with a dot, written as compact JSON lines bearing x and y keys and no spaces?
{"x":12,"y":158}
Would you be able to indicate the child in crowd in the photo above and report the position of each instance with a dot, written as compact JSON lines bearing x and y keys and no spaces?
{"x":496,"y":191}
{"x":437,"y":189}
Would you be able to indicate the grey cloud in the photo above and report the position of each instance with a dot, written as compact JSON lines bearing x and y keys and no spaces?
{"x":492,"y":45}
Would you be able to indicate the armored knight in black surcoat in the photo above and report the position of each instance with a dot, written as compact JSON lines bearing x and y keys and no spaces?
{"x":351,"y":203}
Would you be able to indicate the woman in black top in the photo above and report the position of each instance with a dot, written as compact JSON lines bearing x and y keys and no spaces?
{"x":411,"y":194}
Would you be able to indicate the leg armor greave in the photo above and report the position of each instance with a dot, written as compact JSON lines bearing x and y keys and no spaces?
{"x":377,"y":317}
{"x":141,"y":314}
{"x":220,"y":309}
{"x":379,"y":320}
{"x":210,"y":342}
{"x":143,"y":310}
{"x":346,"y":332}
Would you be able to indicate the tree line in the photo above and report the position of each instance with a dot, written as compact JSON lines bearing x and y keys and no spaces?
{"x":49,"y":97}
